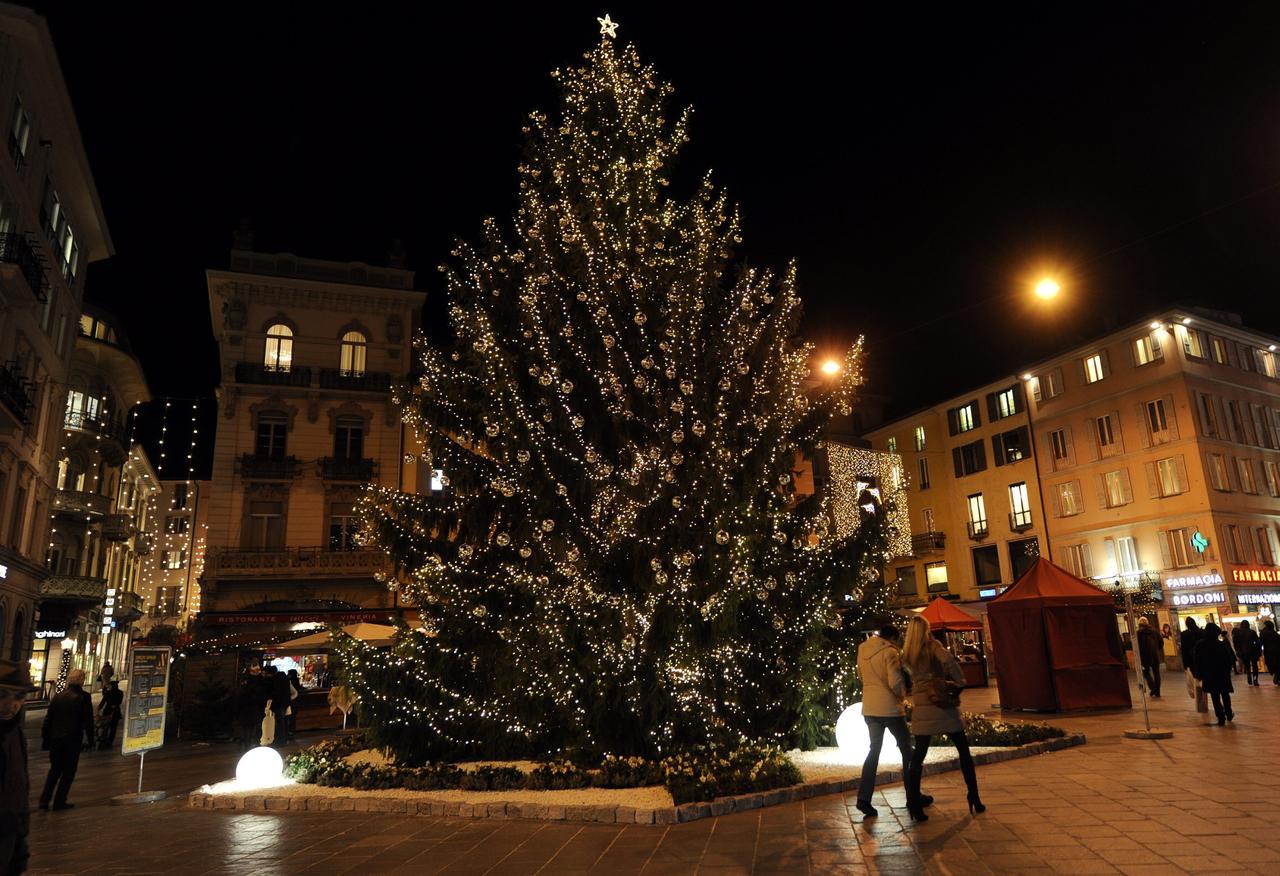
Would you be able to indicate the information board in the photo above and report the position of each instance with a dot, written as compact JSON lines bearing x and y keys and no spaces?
{"x":145,"y":705}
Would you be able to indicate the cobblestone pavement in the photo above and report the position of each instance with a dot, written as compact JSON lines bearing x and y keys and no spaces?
{"x":1199,"y":802}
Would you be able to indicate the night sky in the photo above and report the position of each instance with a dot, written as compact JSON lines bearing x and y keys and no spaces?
{"x":915,"y":162}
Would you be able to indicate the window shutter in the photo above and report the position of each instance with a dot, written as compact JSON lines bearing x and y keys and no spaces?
{"x":958,"y":459}
{"x":991,"y":407}
{"x":1081,"y":378}
{"x":1166,"y":555}
{"x":1153,"y":480}
{"x":1091,"y":429}
{"x":1100,"y":481}
{"x":977,"y":413}
{"x":1071,"y":447}
{"x":1171,"y":416}
{"x":1117,"y":431}
{"x":1055,"y":499}
{"x":1036,"y":392}
{"x":1110,"y":545}
{"x":1180,"y":468}
{"x":1126,"y":486}
{"x":1086,"y":562}
{"x":980,"y":450}
{"x":1019,"y":398}
{"x":953,"y":421}
{"x":1202,"y":406}
{"x":1156,"y":352}
{"x":1144,"y":429}
{"x":1105,"y":356}
{"x":997,"y":449}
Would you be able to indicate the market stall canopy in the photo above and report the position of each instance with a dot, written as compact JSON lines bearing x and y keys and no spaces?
{"x":1056,"y":643}
{"x":370,"y":634}
{"x":942,"y":615}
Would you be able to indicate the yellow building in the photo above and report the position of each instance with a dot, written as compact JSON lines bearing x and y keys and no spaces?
{"x":308,"y":350}
{"x":1159,"y":454}
{"x":974,"y":503}
{"x":51,"y":227}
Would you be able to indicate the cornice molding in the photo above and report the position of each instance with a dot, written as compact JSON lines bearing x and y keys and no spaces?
{"x":315,"y":296}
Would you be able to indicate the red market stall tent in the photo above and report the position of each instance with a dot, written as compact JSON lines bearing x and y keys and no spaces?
{"x":1057,"y":647}
{"x":943,"y":617}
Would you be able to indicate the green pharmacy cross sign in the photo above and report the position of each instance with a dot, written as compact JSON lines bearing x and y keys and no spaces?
{"x":1199,"y":542}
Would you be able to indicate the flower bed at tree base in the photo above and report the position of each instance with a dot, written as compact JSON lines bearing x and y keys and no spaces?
{"x":548,"y":805}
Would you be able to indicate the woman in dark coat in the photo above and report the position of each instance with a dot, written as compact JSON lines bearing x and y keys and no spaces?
{"x":1214,"y":663}
{"x":1271,"y":649}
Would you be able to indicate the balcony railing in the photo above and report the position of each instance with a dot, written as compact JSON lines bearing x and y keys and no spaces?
{"x":928,"y":542}
{"x":335,"y":469}
{"x":270,"y":468}
{"x":978,"y":529}
{"x":255,"y":372}
{"x":310,"y":562}
{"x":128,"y":607}
{"x":117,"y":527}
{"x":1020,"y":520}
{"x":85,"y":422}
{"x":363,"y":381}
{"x":17,"y":250}
{"x":81,"y":504}
{"x":79,"y":588}
{"x":15,"y":392}
{"x":142,"y":544}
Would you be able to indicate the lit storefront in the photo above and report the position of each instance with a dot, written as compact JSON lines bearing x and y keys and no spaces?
{"x":1243,"y":593}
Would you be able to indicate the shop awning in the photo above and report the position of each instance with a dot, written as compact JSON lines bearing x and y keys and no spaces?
{"x":370,"y":634}
{"x":942,"y":615}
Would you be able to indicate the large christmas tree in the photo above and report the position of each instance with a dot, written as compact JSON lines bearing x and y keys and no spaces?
{"x":621,"y":562}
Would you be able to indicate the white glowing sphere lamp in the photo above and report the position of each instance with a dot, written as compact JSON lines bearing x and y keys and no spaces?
{"x":852,"y":737}
{"x":260,"y":767}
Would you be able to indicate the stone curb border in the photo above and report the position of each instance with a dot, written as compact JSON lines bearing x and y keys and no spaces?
{"x":368,"y":802}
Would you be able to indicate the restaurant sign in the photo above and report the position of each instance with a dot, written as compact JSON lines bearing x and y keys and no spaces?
{"x":1213,"y":579}
{"x":1255,"y":576}
{"x":1211,"y":598}
{"x":301,"y":617}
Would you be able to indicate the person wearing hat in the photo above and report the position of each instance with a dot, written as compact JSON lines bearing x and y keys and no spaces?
{"x":67,"y":725}
{"x":15,"y":786}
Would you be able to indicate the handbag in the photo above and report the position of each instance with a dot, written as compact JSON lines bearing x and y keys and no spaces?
{"x":942,"y":691}
{"x":268,"y":727}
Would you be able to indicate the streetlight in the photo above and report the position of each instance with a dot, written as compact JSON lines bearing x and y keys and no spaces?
{"x":1047,"y":288}
{"x":831,"y":367}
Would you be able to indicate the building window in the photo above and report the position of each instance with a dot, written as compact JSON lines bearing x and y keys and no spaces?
{"x":279,"y":350}
{"x":1011,"y":446}
{"x":935,"y":576}
{"x":1220,"y":351}
{"x":272,"y":436}
{"x":1244,"y":469}
{"x":1006,"y":403}
{"x":892,"y":445}
{"x":1208,"y":414}
{"x":1076,"y":559}
{"x":265,"y":526}
{"x":1193,"y":343}
{"x":1176,"y":544}
{"x":924,"y":473}
{"x":907,"y":585}
{"x":1218,"y":478}
{"x":1020,"y":516}
{"x":1244,"y":357}
{"x":1094,"y":370}
{"x":351,"y":362}
{"x":1047,"y":385}
{"x":1105,"y":429}
{"x":1023,"y":554}
{"x":1168,"y":476}
{"x":176,"y":524}
{"x":166,"y":602}
{"x":1060,"y":443}
{"x":1146,"y":350}
{"x":179,"y":497}
{"x":969,"y":458}
{"x":1266,"y":362}
{"x":977,"y":515}
{"x":348,"y":438}
{"x":62,"y":239}
{"x":986,"y":565}
{"x":1262,"y":428}
{"x":19,"y":134}
{"x":1117,"y":488}
{"x":1273,"y":477}
{"x":1066,"y":499}
{"x":930,"y":523}
{"x":173,"y":559}
{"x":343,"y":525}
{"x":1233,"y":544}
{"x":964,"y":418}
{"x":1127,"y":556}
{"x":1266,"y":545}
{"x":920,"y":439}
{"x":1158,"y":421}
{"x":82,"y":409}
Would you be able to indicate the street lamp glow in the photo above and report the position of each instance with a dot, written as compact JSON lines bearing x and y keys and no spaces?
{"x":831,"y":367}
{"x":1047,"y":288}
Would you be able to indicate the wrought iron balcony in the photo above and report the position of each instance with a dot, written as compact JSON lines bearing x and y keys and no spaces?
{"x":142,"y":544}
{"x":74,"y":588}
{"x":84,"y":422}
{"x":928,"y":543}
{"x":1020,"y":521}
{"x":362,"y":381}
{"x":978,"y":529}
{"x":337,"y":469}
{"x":17,"y":250}
{"x":256,"y":372}
{"x":81,"y":504}
{"x":15,"y":393}
{"x":117,"y":527}
{"x":308,"y":562}
{"x":128,"y":607}
{"x":281,"y":468}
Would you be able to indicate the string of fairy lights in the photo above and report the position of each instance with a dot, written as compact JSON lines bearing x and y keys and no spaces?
{"x":619,"y":418}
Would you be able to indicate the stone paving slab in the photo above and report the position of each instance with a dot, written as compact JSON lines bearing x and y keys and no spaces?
{"x":420,"y":803}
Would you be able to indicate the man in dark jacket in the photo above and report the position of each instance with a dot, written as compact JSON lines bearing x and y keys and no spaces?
{"x":67,"y":725}
{"x":251,"y":703}
{"x":1151,"y":651}
{"x":111,"y":713}
{"x":279,"y":691}
{"x":15,"y":788}
{"x":1270,"y":641}
{"x":1187,"y":645}
{"x":1248,"y":649}
{"x":1213,"y":667}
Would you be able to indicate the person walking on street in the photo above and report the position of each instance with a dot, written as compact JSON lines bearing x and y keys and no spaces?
{"x":883,"y":690}
{"x":109,"y":709}
{"x":1270,"y":642}
{"x":1248,"y":649}
{"x":15,"y":785}
{"x":1226,"y":638}
{"x":1213,"y":667}
{"x":936,"y":679}
{"x":105,"y":675}
{"x":278,"y":694}
{"x":68,"y":724}
{"x":1187,"y":645}
{"x":251,"y":704}
{"x":1151,"y":651}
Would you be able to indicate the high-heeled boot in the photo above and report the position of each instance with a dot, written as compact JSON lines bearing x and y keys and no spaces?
{"x":975,"y":802}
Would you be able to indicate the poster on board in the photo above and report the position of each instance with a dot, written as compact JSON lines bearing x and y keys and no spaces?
{"x":144,"y":706}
